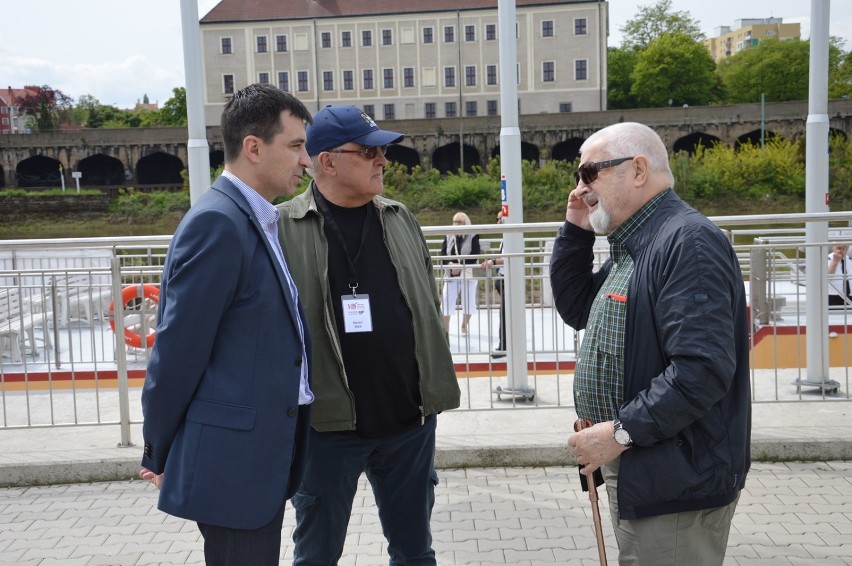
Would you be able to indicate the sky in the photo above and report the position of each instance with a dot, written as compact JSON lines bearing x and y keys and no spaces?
{"x":118,"y":51}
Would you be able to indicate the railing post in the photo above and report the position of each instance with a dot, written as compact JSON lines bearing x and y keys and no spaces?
{"x":120,"y":355}
{"x":758,"y":284}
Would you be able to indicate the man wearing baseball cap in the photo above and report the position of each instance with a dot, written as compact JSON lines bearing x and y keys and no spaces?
{"x":382,"y":368}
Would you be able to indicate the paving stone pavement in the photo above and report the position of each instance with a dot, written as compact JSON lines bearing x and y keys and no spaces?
{"x":789,"y":514}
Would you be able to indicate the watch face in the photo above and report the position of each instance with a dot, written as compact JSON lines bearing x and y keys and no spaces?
{"x":622,"y":437}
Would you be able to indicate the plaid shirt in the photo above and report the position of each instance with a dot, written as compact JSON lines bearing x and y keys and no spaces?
{"x":599,"y":374}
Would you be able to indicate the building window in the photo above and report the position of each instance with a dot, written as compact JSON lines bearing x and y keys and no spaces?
{"x":429,"y":110}
{"x":302,"y":77}
{"x":491,"y":75}
{"x":261,"y":43}
{"x":328,"y":80}
{"x":565,"y":107}
{"x":470,"y":108}
{"x":449,"y":77}
{"x":5,"y":121}
{"x":547,"y":74}
{"x":227,"y":49}
{"x":470,"y":33}
{"x":284,"y":81}
{"x":429,"y":76}
{"x":348,"y":80}
{"x":427,"y":35}
{"x":389,"y":112}
{"x":470,"y":75}
{"x":228,"y":84}
{"x":449,"y":34}
{"x":366,"y":38}
{"x":491,"y":107}
{"x":325,"y":39}
{"x":547,"y":28}
{"x":281,"y":43}
{"x":581,"y":70}
{"x":346,"y":39}
{"x":370,"y":111}
{"x":4,"y":109}
{"x":387,"y":76}
{"x":368,"y":79}
{"x":387,"y":37}
{"x":490,"y":32}
{"x":580,"y":26}
{"x":263,"y":78}
{"x":450,"y":109}
{"x":408,"y":77}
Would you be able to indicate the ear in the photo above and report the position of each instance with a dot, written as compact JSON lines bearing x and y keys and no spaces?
{"x":640,"y":170}
{"x":251,"y":148}
{"x":326,"y":163}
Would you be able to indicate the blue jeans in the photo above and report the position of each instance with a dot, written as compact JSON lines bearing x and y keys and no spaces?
{"x":401,"y":471}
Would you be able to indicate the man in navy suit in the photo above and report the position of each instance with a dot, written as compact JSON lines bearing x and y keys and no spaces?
{"x":226,"y":398}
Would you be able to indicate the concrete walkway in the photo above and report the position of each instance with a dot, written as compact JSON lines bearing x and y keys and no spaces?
{"x":509,"y":494}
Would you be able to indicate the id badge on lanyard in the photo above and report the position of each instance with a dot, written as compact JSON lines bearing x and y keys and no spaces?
{"x":356,"y":313}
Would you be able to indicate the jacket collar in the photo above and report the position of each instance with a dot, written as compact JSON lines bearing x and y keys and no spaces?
{"x":302,"y":204}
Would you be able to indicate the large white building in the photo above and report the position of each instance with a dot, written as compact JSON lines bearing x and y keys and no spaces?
{"x":406,"y":60}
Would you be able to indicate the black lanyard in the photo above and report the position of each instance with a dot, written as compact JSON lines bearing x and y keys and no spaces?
{"x":334,"y":229}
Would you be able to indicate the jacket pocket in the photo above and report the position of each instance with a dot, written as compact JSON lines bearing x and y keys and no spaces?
{"x":223,"y":415}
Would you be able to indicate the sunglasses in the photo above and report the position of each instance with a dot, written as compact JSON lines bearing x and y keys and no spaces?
{"x":588,"y":171}
{"x":368,"y":152}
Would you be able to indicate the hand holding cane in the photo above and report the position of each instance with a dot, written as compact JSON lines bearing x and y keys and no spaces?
{"x":597,"y":479}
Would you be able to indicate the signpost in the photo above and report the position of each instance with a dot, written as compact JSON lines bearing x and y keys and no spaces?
{"x":76,"y":175}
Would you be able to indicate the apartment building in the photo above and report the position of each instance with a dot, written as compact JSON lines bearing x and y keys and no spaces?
{"x":748,"y":33}
{"x":12,"y":120}
{"x":407,"y":60}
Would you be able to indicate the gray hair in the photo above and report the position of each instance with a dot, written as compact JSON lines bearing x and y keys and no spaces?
{"x":627,"y":139}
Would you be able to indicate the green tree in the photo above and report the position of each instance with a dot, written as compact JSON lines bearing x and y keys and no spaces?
{"x":840,"y":75}
{"x":45,"y":105}
{"x":652,"y":21}
{"x":778,"y":69}
{"x":674,"y":69}
{"x":620,"y":64}
{"x":173,"y":112}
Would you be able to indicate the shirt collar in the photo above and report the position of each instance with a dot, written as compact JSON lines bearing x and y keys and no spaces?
{"x":632,"y":225}
{"x":265,"y":212}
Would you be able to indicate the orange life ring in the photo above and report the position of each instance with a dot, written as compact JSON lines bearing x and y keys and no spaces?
{"x":128,"y":294}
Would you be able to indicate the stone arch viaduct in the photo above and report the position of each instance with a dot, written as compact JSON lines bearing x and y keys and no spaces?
{"x":138,"y":157}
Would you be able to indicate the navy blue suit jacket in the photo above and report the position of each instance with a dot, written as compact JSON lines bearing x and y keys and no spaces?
{"x":220,"y":399}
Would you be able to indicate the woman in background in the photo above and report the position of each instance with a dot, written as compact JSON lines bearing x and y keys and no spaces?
{"x":459,"y":276}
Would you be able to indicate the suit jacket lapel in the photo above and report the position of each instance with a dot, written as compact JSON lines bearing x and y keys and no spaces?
{"x":225,"y":186}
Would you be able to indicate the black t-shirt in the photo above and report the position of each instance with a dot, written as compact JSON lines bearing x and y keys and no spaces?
{"x":380,"y":365}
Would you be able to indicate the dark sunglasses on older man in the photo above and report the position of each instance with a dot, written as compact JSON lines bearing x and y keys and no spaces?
{"x":588,"y":171}
{"x":368,"y":152}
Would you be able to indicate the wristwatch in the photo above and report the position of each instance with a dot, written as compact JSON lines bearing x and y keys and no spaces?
{"x":620,"y":434}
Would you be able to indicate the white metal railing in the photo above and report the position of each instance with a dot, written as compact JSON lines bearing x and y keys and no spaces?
{"x":72,"y":369}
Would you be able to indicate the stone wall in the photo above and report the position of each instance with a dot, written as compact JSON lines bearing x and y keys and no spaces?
{"x":37,"y":206}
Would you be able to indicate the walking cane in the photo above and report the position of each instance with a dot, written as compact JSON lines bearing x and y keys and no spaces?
{"x":597,"y":478}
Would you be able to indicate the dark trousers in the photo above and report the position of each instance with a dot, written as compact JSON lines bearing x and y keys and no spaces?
{"x":238,"y":547}
{"x":401,"y":471}
{"x":501,"y":332}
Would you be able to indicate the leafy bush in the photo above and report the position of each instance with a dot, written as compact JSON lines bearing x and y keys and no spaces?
{"x":149,"y":206}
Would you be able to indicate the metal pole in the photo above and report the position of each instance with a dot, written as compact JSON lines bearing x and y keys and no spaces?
{"x":512,"y":200}
{"x":461,"y":74}
{"x":120,"y":355}
{"x":816,"y":200}
{"x":197,"y":150}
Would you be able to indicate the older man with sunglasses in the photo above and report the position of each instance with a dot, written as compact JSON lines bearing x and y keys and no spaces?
{"x":382,"y":365}
{"x":663,"y":367}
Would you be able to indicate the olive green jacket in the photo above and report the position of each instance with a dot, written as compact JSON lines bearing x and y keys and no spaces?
{"x":305,"y":246}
